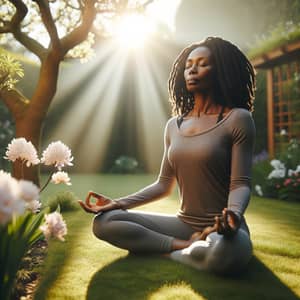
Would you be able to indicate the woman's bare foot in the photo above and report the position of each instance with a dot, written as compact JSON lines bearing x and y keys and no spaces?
{"x":196,"y":236}
{"x":202,"y":235}
{"x":227,"y":224}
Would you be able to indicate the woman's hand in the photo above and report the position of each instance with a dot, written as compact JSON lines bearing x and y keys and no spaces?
{"x":102,"y":203}
{"x":229,"y":223}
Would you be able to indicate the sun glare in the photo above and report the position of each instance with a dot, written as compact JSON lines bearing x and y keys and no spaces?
{"x":97,"y":93}
{"x":133,"y":31}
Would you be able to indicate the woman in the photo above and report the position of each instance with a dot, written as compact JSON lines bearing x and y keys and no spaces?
{"x":208,"y":147}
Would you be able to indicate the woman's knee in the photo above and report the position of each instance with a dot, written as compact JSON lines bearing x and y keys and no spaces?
{"x":101,"y":224}
{"x":229,"y":255}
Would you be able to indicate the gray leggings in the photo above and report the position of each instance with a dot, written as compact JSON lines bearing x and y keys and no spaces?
{"x":138,"y":231}
{"x":143,"y":232}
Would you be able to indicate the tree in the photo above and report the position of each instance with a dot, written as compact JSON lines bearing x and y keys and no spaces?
{"x":66,"y":24}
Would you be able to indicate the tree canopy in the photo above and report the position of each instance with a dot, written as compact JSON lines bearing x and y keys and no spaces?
{"x":51,"y":30}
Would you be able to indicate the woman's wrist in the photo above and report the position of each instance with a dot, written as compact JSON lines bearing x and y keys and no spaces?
{"x":118,"y":204}
{"x":239,"y":216}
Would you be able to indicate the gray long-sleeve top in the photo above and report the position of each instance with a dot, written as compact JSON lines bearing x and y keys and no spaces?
{"x":212,"y":169}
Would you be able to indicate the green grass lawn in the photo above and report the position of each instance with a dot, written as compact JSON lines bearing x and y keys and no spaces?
{"x":84,"y":267}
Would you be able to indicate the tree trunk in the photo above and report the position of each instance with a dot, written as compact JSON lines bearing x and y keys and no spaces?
{"x":29,"y":124}
{"x":31,"y":130}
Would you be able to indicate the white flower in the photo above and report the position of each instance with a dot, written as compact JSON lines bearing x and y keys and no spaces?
{"x":277,"y":173}
{"x":34,"y":206}
{"x":61,"y":177}
{"x":283,"y":132}
{"x":30,"y":194}
{"x":277,"y":164}
{"x":279,"y":169}
{"x":55,"y":226}
{"x":58,"y":154}
{"x":258,"y":190}
{"x":29,"y":191}
{"x":292,"y":172}
{"x":10,"y":200}
{"x":19,"y":148}
{"x":4,"y":174}
{"x":294,"y":146}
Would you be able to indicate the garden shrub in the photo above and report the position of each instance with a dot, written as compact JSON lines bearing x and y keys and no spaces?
{"x":283,"y":180}
{"x":125,"y":165}
{"x":66,"y":200}
{"x":260,"y":172}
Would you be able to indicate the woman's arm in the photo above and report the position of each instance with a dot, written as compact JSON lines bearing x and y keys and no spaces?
{"x":160,"y":188}
{"x":243,"y":140}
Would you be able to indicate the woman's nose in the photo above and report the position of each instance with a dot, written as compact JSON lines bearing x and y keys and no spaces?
{"x":193,"y":69}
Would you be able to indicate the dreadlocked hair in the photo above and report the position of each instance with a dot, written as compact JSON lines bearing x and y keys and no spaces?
{"x":234,"y":77}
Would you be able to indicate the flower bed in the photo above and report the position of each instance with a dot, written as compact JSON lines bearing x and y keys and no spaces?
{"x":283,"y":181}
{"x":23,"y":222}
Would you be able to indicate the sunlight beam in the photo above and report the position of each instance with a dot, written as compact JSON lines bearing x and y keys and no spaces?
{"x":68,"y":81}
{"x":67,"y":129}
{"x":151,"y":117}
{"x":94,"y":144}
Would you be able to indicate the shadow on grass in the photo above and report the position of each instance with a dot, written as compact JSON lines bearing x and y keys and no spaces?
{"x":59,"y":254}
{"x":138,"y":278}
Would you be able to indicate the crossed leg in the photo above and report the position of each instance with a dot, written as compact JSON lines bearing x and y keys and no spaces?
{"x":142,"y":232}
{"x":218,"y":253}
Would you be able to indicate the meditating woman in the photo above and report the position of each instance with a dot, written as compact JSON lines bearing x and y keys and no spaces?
{"x":208,"y":148}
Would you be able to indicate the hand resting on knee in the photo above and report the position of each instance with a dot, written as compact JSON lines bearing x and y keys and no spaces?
{"x":102,"y":203}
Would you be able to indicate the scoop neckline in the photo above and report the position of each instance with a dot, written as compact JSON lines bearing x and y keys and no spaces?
{"x":208,"y":129}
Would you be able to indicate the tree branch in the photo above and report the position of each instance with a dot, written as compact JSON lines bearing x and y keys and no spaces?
{"x":79,"y":34}
{"x":147,"y":3}
{"x":49,"y":23}
{"x":15,"y":101}
{"x":21,"y":12}
{"x":5,"y":28}
{"x":31,"y":44}
{"x":14,"y":27}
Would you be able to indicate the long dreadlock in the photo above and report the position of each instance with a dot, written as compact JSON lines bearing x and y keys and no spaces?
{"x":234,"y":82}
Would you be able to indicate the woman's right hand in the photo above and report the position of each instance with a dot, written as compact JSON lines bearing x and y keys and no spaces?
{"x":102,"y":203}
{"x":228,"y":224}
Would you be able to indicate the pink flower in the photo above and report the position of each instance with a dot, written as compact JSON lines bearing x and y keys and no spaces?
{"x":287,"y":181}
{"x":55,"y":226}
{"x":277,"y":186}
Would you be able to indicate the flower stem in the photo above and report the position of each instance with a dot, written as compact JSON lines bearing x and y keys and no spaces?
{"x":22,"y":169}
{"x":47,"y":182}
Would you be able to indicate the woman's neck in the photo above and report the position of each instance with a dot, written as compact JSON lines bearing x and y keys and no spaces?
{"x":204,"y":104}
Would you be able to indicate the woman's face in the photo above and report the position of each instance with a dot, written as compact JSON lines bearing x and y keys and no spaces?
{"x":198,"y":72}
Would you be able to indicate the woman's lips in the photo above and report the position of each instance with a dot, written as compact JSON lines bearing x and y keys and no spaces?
{"x":192,"y":81}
